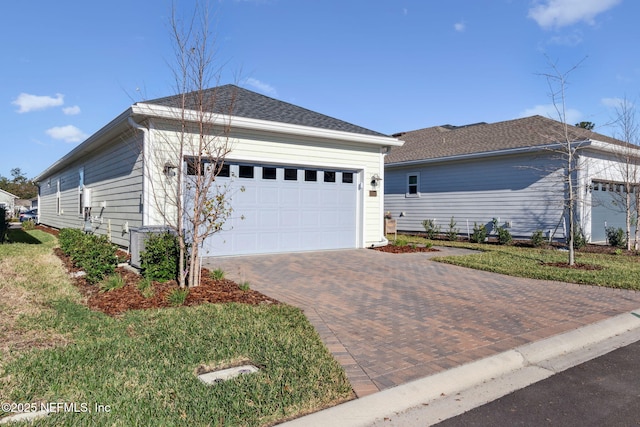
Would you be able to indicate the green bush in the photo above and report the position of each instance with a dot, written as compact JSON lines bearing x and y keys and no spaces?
{"x":217,"y":274}
{"x":94,"y":254}
{"x":430,"y":228}
{"x":616,"y":237}
{"x":452,"y":232}
{"x":160,"y":259}
{"x":504,"y":236}
{"x":538,"y":239}
{"x":400,"y":241}
{"x":479,"y":233}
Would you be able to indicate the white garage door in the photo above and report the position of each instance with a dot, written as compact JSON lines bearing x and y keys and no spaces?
{"x":287,"y":208}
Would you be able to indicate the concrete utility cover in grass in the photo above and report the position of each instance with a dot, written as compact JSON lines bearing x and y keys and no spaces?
{"x":226,"y":374}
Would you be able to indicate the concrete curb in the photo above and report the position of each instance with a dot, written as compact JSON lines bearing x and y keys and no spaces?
{"x":450,"y":393}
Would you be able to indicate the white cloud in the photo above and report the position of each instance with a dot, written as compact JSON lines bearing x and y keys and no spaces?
{"x":561,"y":13}
{"x":617,"y":103}
{"x":549,"y":111}
{"x":71,"y":111}
{"x":28,"y":102}
{"x":67,"y":133}
{"x":459,"y":26}
{"x":261,"y":86}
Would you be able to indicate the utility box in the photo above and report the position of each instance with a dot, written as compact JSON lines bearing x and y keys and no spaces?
{"x":137,"y":238}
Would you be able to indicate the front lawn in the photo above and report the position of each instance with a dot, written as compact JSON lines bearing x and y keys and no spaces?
{"x":143,"y":365}
{"x":617,"y":271}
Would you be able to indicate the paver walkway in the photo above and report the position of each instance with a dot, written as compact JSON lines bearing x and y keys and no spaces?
{"x":392,"y":318}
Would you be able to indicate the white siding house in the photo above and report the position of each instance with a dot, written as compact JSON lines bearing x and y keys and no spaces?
{"x":308,"y":179}
{"x":512,"y":171}
{"x":7,"y":201}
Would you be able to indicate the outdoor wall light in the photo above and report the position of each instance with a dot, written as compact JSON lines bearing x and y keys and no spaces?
{"x":374,"y":180}
{"x":169,"y":169}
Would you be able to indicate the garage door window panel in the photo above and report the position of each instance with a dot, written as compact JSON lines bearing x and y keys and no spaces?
{"x":290,"y":174}
{"x":245,"y":171}
{"x":269,"y":173}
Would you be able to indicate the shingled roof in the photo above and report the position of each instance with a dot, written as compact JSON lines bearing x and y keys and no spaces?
{"x":236,"y":101}
{"x":447,"y":141}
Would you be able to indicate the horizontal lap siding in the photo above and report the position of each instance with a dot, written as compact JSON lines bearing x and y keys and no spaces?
{"x":114,"y":175}
{"x":529,"y":197}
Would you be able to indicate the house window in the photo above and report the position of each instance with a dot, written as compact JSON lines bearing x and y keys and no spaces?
{"x":347,"y":177}
{"x":329,"y":176}
{"x":245,"y":171}
{"x":310,"y":175}
{"x":58,"y":205}
{"x":413,"y":185}
{"x":268,"y":173}
{"x":290,"y":174}
{"x":80,"y":191}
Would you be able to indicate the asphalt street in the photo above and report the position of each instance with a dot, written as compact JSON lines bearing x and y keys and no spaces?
{"x":602,"y":392}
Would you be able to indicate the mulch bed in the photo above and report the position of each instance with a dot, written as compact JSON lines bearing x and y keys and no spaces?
{"x":392,"y":249}
{"x":129,"y":297}
{"x":576,"y":266}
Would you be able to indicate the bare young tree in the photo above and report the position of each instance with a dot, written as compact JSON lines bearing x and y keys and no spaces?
{"x":627,"y":157}
{"x":190,"y":147}
{"x":567,"y":150}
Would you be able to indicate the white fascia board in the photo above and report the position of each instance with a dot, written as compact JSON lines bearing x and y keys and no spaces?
{"x":87,"y":146}
{"x":607,"y":147}
{"x":484,"y":154}
{"x":158,"y":111}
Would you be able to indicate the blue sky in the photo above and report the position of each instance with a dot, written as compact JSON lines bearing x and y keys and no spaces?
{"x":70,"y":67}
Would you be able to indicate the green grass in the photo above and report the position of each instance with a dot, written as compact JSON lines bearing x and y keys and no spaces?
{"x":143,"y":364}
{"x":617,"y":271}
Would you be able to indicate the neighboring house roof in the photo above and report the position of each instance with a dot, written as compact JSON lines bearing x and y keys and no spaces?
{"x":236,"y":101}
{"x":6,"y":193}
{"x":452,"y":141}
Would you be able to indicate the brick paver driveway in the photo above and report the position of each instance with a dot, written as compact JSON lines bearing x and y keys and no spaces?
{"x":389,"y":319}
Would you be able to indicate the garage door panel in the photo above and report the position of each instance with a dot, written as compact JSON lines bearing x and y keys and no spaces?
{"x":287,"y":215}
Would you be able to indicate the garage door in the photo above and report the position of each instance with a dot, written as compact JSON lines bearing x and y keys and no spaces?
{"x":287,"y":208}
{"x":607,"y":210}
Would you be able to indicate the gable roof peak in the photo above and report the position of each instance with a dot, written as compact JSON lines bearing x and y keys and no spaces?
{"x":233,"y":100}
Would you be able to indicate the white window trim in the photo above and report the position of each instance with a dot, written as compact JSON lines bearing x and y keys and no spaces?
{"x":417,"y":184}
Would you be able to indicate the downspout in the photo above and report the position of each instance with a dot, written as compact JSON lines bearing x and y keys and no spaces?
{"x":383,"y":239}
{"x":145,"y":179}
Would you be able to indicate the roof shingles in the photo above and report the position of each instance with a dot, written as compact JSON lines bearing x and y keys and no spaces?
{"x":236,"y":101}
{"x":447,"y":141}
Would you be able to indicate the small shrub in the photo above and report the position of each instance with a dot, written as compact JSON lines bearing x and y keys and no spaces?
{"x":114,"y":281}
{"x":618,"y":251}
{"x":177,"y":297}
{"x":452,"y":232}
{"x":430,"y":228}
{"x":244,"y":286}
{"x":428,"y":245}
{"x":616,"y":237}
{"x":94,"y":254}
{"x":538,"y":239}
{"x":504,"y":236}
{"x":579,"y":239}
{"x":400,"y":241}
{"x":28,"y":225}
{"x":68,"y":238}
{"x":217,"y":274}
{"x":479,"y":233}
{"x":145,"y":286}
{"x":159,"y":260}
